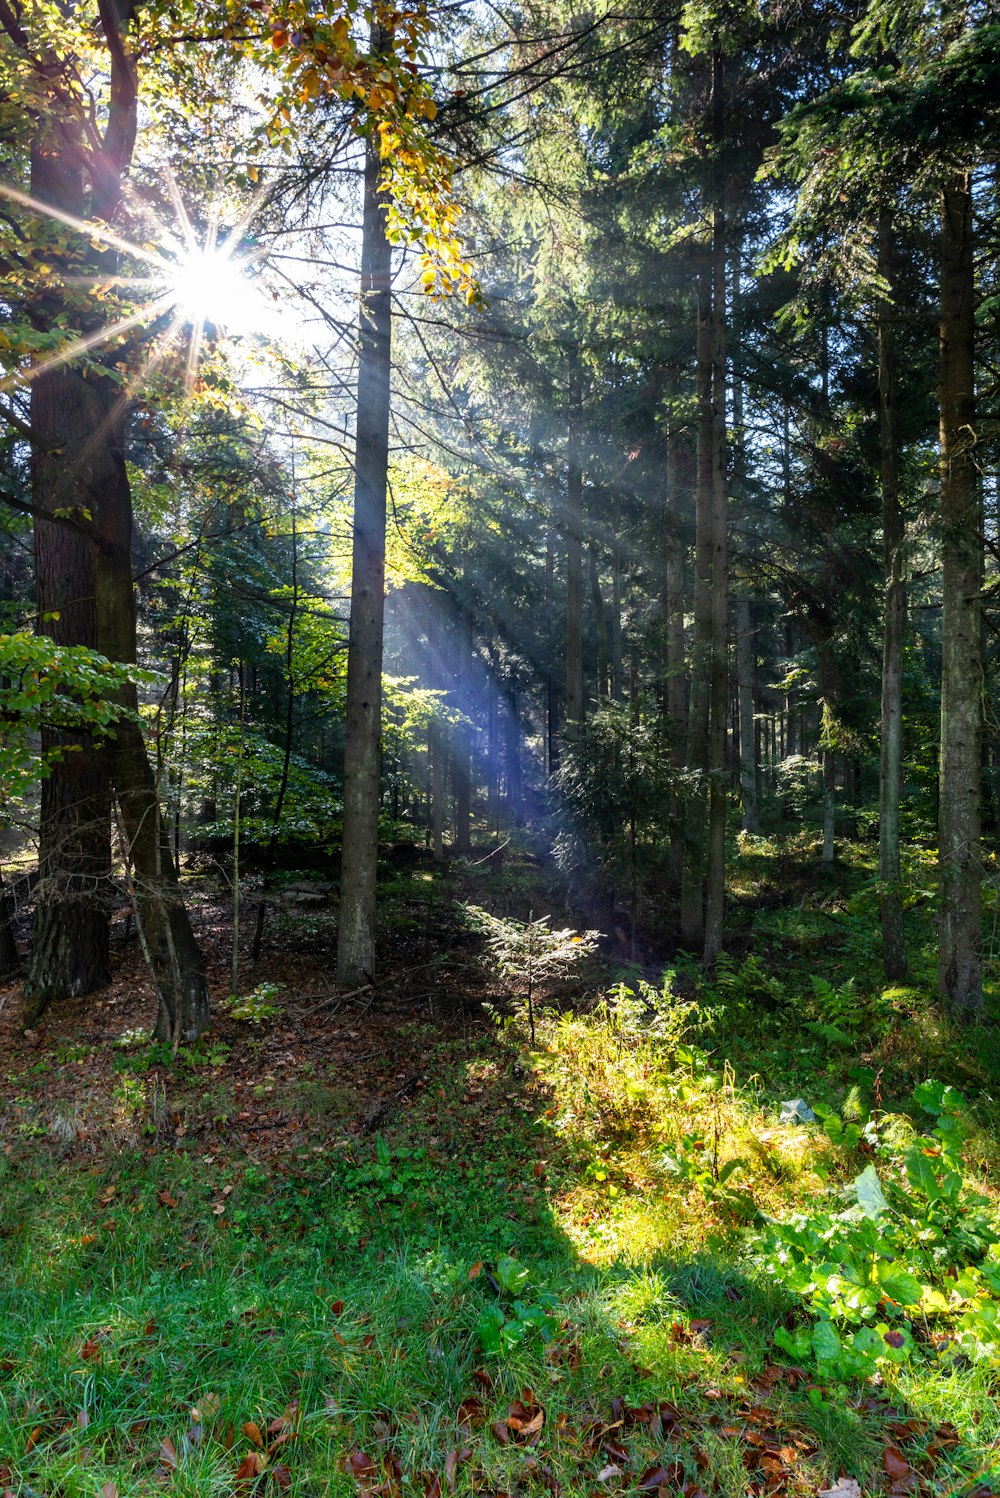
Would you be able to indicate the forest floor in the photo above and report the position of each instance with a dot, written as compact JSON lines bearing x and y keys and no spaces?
{"x":384,"y":1245}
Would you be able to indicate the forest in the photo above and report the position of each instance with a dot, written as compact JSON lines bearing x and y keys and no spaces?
{"x":499,"y":771}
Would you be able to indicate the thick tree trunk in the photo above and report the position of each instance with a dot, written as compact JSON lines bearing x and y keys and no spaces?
{"x":69,"y":950}
{"x":168,"y":941}
{"x":960,"y":979}
{"x":356,"y":941}
{"x":890,"y":770}
{"x":8,"y":948}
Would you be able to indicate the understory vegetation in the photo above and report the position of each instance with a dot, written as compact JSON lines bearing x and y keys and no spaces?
{"x":296,"y":1258}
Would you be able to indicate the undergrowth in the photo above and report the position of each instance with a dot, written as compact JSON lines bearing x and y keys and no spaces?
{"x":596,"y":1262}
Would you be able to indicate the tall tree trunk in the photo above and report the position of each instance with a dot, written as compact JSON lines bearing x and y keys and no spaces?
{"x":551,"y":689}
{"x":356,"y":940}
{"x":462,"y":737}
{"x":746,"y":646}
{"x":692,"y":904}
{"x":574,"y":570}
{"x":715,"y":885}
{"x":439,"y":782}
{"x":746,"y":663}
{"x":601,"y":623}
{"x":960,"y":979}
{"x":828,"y":764}
{"x":69,"y":948}
{"x":512,"y":760}
{"x":168,"y":941}
{"x":8,"y":947}
{"x":617,"y":682}
{"x":672,"y":608}
{"x":890,"y":770}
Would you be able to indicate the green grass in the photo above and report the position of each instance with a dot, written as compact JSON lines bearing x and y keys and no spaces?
{"x":336,"y":1291}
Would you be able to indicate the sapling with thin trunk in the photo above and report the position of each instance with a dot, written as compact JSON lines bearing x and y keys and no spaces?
{"x":529,"y":954}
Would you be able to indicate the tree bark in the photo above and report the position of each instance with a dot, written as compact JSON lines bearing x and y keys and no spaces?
{"x":356,"y":939}
{"x":601,"y":624}
{"x":574,"y":571}
{"x":8,"y":947}
{"x":715,"y":885}
{"x":960,"y":980}
{"x":890,"y":769}
{"x":439,"y":781}
{"x":168,"y":941}
{"x":462,"y":737}
{"x":69,"y":949}
{"x":828,"y":765}
{"x":692,"y":903}
{"x":746,"y":662}
{"x":512,"y":759}
{"x":674,"y":694}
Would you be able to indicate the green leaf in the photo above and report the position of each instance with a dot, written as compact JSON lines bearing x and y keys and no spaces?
{"x":899,"y":1285}
{"x":826,"y":1344}
{"x":869,"y":1192}
{"x":921,"y":1173}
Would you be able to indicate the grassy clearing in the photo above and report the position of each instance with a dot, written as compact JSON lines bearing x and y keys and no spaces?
{"x":533,"y":1230}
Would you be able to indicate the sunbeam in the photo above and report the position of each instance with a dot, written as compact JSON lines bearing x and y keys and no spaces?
{"x":202,"y":282}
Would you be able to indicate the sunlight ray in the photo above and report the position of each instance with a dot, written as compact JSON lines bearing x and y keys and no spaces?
{"x":83,"y":345}
{"x":85,"y":226}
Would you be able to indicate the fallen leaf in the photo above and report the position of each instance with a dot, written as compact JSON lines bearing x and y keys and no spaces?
{"x":252,"y":1432}
{"x":654,"y":1478}
{"x":471,"y":1413}
{"x":249,"y":1467}
{"x":168,"y":1455}
{"x":432,"y":1485}
{"x":91,"y":1348}
{"x":206,"y":1409}
{"x":895,"y":1463}
{"x":608,"y":1473}
{"x":109,"y":1490}
{"x":844,"y":1487}
{"x":452,"y":1462}
{"x":358,"y":1464}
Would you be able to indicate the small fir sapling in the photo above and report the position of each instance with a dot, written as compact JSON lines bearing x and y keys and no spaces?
{"x":528,"y":953}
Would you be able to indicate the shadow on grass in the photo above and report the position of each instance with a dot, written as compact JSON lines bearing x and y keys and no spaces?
{"x":350,"y":1300}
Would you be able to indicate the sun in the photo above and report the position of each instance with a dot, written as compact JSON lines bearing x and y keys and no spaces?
{"x":209,"y":287}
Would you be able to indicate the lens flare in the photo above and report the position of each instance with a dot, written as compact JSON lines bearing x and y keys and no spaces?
{"x":209,"y":288}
